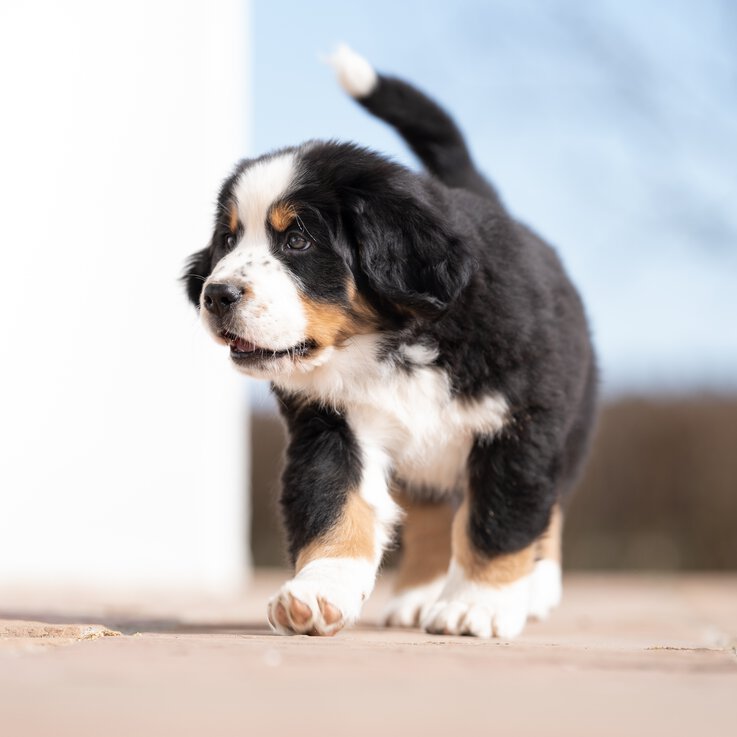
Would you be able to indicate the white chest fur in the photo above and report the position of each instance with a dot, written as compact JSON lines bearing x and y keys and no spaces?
{"x":410,"y":414}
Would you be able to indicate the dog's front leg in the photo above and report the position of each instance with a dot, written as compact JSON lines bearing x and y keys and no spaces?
{"x":505,"y":563}
{"x":338,"y":514}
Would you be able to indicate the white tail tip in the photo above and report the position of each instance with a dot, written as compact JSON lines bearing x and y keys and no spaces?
{"x":356,"y":76}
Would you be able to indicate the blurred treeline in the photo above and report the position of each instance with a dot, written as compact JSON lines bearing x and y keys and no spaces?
{"x":659,"y":491}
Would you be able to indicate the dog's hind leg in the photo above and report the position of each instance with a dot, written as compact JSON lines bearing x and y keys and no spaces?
{"x":424,"y":562}
{"x":546,"y":587}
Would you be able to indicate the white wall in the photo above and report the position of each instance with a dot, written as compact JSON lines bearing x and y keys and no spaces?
{"x":122,"y":428}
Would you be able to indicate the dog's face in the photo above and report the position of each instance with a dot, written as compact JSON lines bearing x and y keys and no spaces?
{"x":316,"y":244}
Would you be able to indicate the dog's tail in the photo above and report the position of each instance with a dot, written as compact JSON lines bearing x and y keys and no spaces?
{"x":428,"y":130}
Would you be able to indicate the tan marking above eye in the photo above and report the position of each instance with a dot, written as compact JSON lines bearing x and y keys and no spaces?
{"x":281,"y":216}
{"x":233,"y":220}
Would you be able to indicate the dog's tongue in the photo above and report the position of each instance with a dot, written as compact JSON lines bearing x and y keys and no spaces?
{"x":243,"y":346}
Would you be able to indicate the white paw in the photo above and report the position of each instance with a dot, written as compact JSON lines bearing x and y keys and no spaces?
{"x":469,"y":608}
{"x":356,"y":76}
{"x":407,"y":608}
{"x":546,"y":588}
{"x":325,"y":596}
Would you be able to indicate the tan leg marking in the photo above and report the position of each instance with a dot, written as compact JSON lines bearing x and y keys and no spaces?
{"x":497,"y":571}
{"x":493,"y":596}
{"x":548,"y":545}
{"x":547,"y":586}
{"x":233,"y":220}
{"x":352,"y":536}
{"x":350,"y":541}
{"x":425,"y":542}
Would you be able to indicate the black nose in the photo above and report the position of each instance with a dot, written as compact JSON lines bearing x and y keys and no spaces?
{"x":219,"y":298}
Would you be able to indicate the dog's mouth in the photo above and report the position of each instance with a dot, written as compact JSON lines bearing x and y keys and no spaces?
{"x":244,"y":351}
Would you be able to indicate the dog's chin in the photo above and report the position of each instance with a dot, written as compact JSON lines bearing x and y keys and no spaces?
{"x":264,"y":361}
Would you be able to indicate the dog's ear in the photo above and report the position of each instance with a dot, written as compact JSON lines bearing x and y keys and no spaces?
{"x":196,"y":271}
{"x":408,"y":254}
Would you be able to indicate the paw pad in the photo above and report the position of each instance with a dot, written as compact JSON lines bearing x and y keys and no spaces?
{"x":290,"y":615}
{"x":299,"y":612}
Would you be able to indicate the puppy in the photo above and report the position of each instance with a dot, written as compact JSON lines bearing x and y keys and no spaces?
{"x":431,"y":359}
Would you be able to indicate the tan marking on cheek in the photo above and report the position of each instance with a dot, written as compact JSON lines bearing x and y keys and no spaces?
{"x":233,"y":221}
{"x":497,"y":571}
{"x":352,"y":536}
{"x":329,"y":324}
{"x":281,"y":216}
{"x":425,"y":543}
{"x":363,"y":316}
{"x":325,"y":322}
{"x":548,"y":545}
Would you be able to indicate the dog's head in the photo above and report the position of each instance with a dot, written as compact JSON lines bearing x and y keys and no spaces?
{"x":313,"y":245}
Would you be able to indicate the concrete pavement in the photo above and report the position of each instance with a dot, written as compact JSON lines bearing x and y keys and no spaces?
{"x":623,"y":655}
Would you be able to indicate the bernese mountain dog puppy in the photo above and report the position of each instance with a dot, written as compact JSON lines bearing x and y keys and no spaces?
{"x":431,"y":359}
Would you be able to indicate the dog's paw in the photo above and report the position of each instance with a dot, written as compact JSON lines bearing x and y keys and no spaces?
{"x":290,"y":615}
{"x":407,"y":608}
{"x":546,"y":588}
{"x":325,"y":596}
{"x":469,"y":608}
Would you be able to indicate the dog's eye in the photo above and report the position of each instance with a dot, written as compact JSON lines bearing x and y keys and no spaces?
{"x":230,"y":242}
{"x":297,"y":242}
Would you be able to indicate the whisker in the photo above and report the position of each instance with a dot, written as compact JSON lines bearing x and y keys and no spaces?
{"x":302,"y":226}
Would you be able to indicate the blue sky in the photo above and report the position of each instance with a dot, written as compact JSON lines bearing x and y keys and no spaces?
{"x":610,"y":127}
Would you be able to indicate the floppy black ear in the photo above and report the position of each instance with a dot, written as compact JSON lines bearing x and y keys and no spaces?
{"x":408,"y":254}
{"x":196,"y":271}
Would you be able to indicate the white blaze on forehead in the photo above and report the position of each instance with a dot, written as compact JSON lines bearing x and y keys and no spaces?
{"x":271,"y":315}
{"x":258,"y":187}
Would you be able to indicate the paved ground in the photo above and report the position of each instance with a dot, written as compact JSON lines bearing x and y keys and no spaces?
{"x":623,"y":656}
